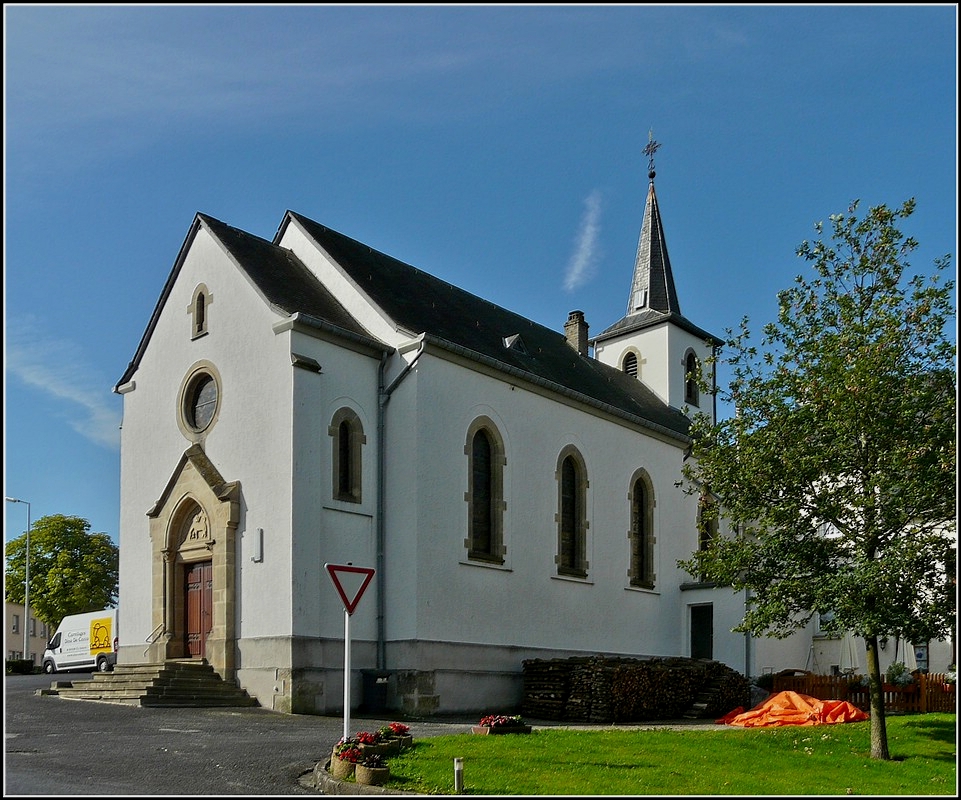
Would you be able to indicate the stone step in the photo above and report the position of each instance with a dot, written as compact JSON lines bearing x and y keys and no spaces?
{"x":192,"y":684}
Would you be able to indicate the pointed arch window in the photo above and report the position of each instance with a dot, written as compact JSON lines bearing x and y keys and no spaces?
{"x":485,"y":493}
{"x":347,"y":434}
{"x":572,"y":523}
{"x":691,"y":372}
{"x":641,"y":534}
{"x":630,"y":364}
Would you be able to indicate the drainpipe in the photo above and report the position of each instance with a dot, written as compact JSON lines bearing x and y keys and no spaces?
{"x":383,"y":397}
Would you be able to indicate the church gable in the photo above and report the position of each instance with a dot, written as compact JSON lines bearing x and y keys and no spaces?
{"x":281,"y":280}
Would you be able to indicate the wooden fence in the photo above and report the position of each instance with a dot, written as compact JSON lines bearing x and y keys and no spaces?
{"x":926,"y":693}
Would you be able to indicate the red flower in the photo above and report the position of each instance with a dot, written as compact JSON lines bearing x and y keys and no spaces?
{"x":399,"y":728}
{"x":366,"y":737}
{"x":351,"y":753}
{"x":500,"y":721}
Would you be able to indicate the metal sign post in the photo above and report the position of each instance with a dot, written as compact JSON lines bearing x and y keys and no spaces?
{"x":350,"y":596}
{"x":346,"y":674}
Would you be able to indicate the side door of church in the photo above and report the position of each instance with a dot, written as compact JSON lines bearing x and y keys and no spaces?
{"x":198,"y":584}
{"x":702,"y":631}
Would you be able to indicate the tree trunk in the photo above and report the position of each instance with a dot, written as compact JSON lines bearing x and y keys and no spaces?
{"x":879,"y":732}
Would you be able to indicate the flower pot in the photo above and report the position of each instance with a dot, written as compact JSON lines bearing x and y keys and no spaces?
{"x":379,"y":749}
{"x":405,"y":741}
{"x":371,"y":776}
{"x":341,"y":769}
{"x":486,"y":730}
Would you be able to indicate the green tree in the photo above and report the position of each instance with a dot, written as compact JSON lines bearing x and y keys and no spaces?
{"x":71,"y":569}
{"x":838,"y":469}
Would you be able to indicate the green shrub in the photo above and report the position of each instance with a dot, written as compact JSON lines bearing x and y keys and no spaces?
{"x":765,"y":681}
{"x":19,"y":666}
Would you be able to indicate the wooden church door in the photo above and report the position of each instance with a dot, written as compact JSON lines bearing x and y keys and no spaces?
{"x":198,"y":584}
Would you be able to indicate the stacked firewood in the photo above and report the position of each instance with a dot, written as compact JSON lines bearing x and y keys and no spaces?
{"x":607,"y":689}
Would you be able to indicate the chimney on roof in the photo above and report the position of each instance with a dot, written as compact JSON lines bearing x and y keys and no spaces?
{"x":576,"y":331}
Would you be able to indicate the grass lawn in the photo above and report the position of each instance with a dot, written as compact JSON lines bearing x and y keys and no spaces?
{"x":822,"y":759}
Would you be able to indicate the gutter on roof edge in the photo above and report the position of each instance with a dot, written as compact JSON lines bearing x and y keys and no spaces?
{"x":560,"y":389}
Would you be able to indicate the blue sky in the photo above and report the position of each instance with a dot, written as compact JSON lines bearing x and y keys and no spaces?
{"x":499,"y":148}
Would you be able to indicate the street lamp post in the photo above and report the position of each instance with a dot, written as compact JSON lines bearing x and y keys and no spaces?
{"x":26,"y":583}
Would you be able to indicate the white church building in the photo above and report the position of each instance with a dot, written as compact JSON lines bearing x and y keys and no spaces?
{"x":310,"y":401}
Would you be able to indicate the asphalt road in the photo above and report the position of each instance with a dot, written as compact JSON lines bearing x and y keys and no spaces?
{"x":83,"y":748}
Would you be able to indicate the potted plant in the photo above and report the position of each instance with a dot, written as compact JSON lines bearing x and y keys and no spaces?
{"x":370,"y":743}
{"x":344,"y":758}
{"x":397,"y":734}
{"x":898,"y":676}
{"x":372,"y":771}
{"x":950,"y":679}
{"x":500,"y":723}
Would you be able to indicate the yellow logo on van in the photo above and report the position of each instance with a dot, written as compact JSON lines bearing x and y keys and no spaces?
{"x":101,"y":636}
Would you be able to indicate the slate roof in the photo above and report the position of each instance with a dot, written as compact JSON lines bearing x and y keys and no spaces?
{"x":420,"y":303}
{"x":283,"y":279}
{"x":653,"y":283}
{"x":653,"y":298}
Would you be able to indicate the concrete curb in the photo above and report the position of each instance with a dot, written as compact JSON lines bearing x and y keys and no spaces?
{"x":323,"y":782}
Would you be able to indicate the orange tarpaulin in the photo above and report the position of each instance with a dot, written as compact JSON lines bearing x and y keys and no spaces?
{"x":791,"y":708}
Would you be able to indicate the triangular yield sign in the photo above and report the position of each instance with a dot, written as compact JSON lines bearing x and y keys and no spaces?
{"x":350,"y":582}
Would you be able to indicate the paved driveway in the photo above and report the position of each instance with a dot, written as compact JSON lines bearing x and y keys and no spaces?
{"x":75,"y":747}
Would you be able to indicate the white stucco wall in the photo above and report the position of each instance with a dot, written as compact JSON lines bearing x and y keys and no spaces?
{"x":250,"y":440}
{"x":524,"y":603}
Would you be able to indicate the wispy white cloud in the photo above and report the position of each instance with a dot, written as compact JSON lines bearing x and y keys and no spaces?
{"x":56,"y":368}
{"x":583,"y":263}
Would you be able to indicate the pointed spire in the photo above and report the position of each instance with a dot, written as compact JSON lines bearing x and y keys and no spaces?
{"x":653,"y":283}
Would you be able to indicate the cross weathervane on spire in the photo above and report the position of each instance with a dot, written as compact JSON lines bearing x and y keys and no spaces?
{"x":649,"y":151}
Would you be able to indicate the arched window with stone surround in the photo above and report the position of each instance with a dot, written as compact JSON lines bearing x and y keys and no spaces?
{"x":484,"y":449}
{"x":641,"y":534}
{"x":198,"y":311}
{"x":572,"y":524}
{"x":691,"y":371}
{"x":347,"y":434}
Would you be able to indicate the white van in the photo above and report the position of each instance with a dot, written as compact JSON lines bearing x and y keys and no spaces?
{"x":83,"y":641}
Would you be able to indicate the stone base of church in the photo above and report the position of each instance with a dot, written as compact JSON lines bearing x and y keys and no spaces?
{"x":422,"y":678}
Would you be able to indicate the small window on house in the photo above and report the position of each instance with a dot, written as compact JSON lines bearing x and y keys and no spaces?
{"x":824,"y":622}
{"x":485,"y":493}
{"x":33,"y":626}
{"x":641,"y":534}
{"x":198,"y":311}
{"x":571,"y":556}
{"x":630,"y":364}
{"x":16,"y":623}
{"x":347,"y":434}
{"x":690,"y":379}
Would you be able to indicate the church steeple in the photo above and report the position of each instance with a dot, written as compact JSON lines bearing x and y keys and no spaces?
{"x":653,"y":285}
{"x":653,"y":342}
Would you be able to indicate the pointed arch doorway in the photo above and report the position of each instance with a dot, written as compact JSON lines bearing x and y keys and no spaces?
{"x":193,"y":542}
